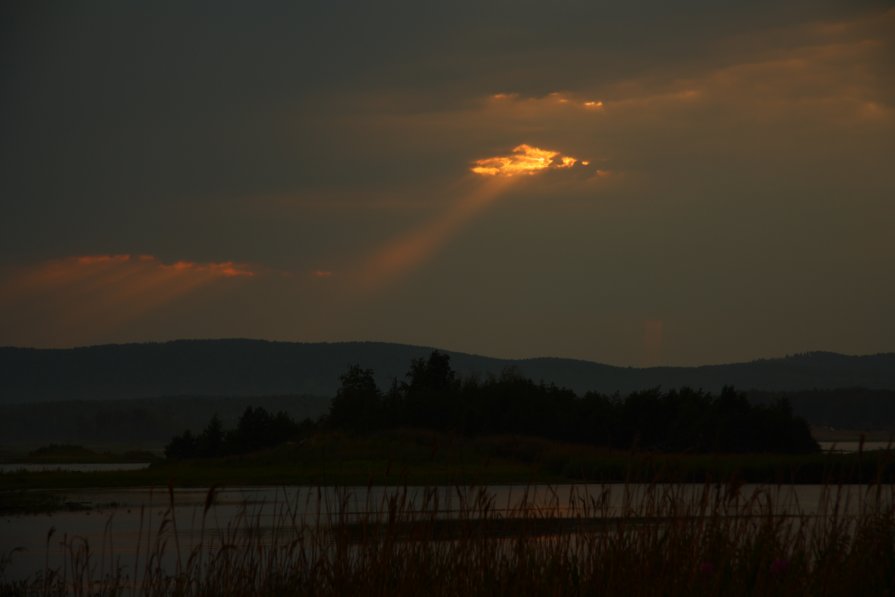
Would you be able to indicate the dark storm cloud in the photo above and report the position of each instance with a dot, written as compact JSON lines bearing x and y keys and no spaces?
{"x":731,"y":139}
{"x":188,"y":100}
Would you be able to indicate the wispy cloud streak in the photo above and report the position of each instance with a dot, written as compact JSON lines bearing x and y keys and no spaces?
{"x":74,"y":295}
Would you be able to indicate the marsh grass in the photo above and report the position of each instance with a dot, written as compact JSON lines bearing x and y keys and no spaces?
{"x":654,"y":539}
{"x":419,"y":457}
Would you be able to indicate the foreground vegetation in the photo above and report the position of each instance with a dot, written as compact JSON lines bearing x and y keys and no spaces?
{"x":658,"y":540}
{"x":421,"y":457}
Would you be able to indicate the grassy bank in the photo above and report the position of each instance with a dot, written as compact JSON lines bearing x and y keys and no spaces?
{"x":76,"y":454}
{"x":421,"y":458}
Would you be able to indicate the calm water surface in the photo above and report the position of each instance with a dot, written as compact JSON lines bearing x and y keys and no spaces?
{"x":851,"y":447}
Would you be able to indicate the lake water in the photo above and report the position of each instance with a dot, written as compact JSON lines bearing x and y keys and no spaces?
{"x":851,"y":447}
{"x":122,"y":526}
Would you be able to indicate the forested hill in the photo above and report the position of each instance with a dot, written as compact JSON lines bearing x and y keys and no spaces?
{"x":254,"y":367}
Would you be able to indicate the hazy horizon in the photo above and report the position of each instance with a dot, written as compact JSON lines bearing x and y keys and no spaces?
{"x":452,"y":350}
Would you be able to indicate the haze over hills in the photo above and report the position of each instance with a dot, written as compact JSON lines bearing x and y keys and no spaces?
{"x":259,"y":368}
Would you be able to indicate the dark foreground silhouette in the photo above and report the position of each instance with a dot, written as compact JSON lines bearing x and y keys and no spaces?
{"x":433,"y":396}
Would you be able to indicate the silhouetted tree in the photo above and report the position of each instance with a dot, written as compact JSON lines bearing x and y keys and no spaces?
{"x":430,"y":392}
{"x":181,"y":447}
{"x":255,"y":430}
{"x":431,"y":375}
{"x":258,"y":429}
{"x":433,"y":397}
{"x":681,"y":420}
{"x":358,"y":402}
{"x":210,"y":442}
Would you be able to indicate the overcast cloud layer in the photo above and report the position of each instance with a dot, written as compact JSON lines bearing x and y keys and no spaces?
{"x":698,"y":182}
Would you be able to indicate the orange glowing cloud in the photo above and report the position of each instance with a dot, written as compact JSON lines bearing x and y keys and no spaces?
{"x":227,"y":269}
{"x":525,"y":159}
{"x":411,"y":250}
{"x":541,"y":103}
{"x":113,"y":272}
{"x":76,"y":296}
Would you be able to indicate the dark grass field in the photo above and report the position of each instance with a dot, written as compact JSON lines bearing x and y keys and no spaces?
{"x":425,"y":458}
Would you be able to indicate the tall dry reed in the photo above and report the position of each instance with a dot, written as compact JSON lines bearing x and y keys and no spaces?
{"x":629,"y":540}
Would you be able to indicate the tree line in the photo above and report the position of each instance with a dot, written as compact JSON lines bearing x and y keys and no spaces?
{"x":677,"y":420}
{"x":433,"y":396}
{"x":256,"y":429}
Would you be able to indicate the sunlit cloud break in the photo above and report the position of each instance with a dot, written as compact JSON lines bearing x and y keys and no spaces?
{"x":554,"y":98}
{"x":411,"y":250}
{"x":526,"y":160}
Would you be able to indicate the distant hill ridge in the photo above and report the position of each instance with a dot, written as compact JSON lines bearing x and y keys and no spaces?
{"x":257,"y":367}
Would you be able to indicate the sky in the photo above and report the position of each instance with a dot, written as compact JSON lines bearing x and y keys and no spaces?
{"x":637,"y":183}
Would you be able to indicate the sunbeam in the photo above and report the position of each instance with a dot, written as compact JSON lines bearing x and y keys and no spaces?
{"x":408,"y":252}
